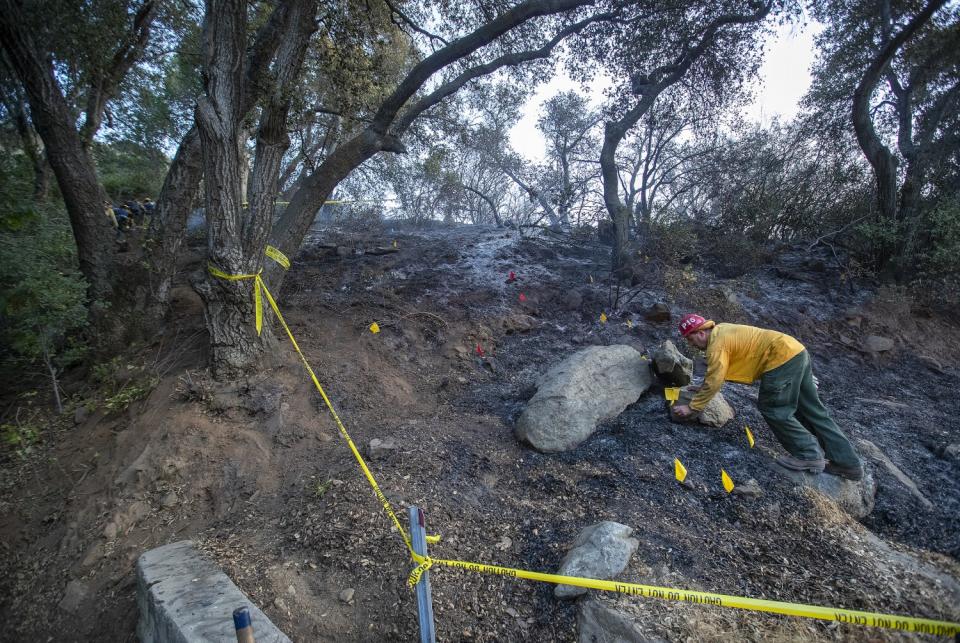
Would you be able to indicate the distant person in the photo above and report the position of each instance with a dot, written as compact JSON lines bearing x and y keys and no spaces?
{"x":123,"y":217}
{"x":136,"y":211}
{"x":148,"y":206}
{"x":788,"y":397}
{"x":111,"y":217}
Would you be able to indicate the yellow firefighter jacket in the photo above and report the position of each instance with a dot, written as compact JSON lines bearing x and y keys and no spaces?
{"x":742,"y":354}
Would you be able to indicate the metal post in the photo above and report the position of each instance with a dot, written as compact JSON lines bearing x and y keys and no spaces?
{"x":418,"y":537}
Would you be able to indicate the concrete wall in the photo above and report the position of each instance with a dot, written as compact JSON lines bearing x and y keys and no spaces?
{"x":184,"y":598}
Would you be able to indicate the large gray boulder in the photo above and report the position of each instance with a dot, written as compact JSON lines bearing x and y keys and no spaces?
{"x":855,"y":497}
{"x":672,"y":367}
{"x":600,"y":551}
{"x":597,"y":623}
{"x":716,"y":413}
{"x":592,"y":385}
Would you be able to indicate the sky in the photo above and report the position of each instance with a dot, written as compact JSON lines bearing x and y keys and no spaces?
{"x":785,"y":77}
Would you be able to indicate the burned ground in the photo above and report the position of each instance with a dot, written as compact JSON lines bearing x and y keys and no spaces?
{"x":258,"y":475}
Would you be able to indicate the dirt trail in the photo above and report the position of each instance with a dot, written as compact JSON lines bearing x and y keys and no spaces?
{"x":257,"y":474}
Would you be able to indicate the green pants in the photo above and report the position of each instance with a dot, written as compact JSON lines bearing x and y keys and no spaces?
{"x":789,"y":403}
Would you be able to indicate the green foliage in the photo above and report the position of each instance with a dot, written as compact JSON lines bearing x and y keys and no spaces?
{"x":672,"y":243}
{"x":42,"y":295}
{"x":129,"y":393}
{"x":128,"y":170}
{"x":943,"y":253}
{"x":121,"y":383}
{"x":20,"y":438}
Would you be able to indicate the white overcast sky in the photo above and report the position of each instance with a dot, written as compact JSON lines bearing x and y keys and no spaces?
{"x":785,"y":77}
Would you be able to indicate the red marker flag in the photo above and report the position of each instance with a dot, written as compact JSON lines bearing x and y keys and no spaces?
{"x":511,"y":277}
{"x":523,"y":297}
{"x":479,"y":350}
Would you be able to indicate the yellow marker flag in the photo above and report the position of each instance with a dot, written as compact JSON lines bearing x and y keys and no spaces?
{"x":374,"y":328}
{"x":679,"y":470}
{"x":629,"y":323}
{"x":591,"y":278}
{"x":603,"y":318}
{"x":672,"y":394}
{"x":749,"y":435}
{"x":727,"y":482}
{"x":394,"y":243}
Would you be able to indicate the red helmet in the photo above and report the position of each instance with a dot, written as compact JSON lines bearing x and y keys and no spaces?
{"x":690,"y":323}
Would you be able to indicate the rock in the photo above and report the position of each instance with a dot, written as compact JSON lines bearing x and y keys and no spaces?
{"x":592,"y":385}
{"x":597,"y":623}
{"x":748,"y":489}
{"x":343,"y":251}
{"x":81,"y":414}
{"x":93,"y":556}
{"x":716,"y":414}
{"x":74,"y":594}
{"x":877,"y":344}
{"x":659,"y":312}
{"x":952,"y":451}
{"x":379,"y":448}
{"x":347,"y":595}
{"x":572,"y":300}
{"x":518,"y":323}
{"x":855,"y":497}
{"x":671,"y":366}
{"x":111,"y":530}
{"x":729,"y":296}
{"x":280,"y":604}
{"x":291,"y":590}
{"x":933,"y":364}
{"x":183,"y":596}
{"x":872,"y":451}
{"x":169,"y":500}
{"x":600,"y":551}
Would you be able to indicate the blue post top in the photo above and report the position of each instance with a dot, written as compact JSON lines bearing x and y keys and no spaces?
{"x":241,"y":618}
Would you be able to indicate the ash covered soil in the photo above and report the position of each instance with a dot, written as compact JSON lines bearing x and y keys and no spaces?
{"x":257,"y":474}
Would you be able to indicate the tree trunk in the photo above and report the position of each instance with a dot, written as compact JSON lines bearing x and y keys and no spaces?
{"x":180,"y":190}
{"x":235,"y":345}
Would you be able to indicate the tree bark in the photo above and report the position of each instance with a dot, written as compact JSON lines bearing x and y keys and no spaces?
{"x":180,"y":190}
{"x":237,"y":235}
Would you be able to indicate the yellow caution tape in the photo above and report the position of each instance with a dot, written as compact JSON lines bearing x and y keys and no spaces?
{"x":278,"y":256}
{"x":855,"y":617}
{"x":905,"y":623}
{"x":260,"y":285}
{"x":679,"y":470}
{"x":749,"y":436}
{"x":727,"y":482}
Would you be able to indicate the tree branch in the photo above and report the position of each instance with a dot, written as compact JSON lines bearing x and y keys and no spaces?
{"x":410,"y":23}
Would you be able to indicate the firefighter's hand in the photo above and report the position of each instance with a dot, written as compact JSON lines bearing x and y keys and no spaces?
{"x":682,"y":411}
